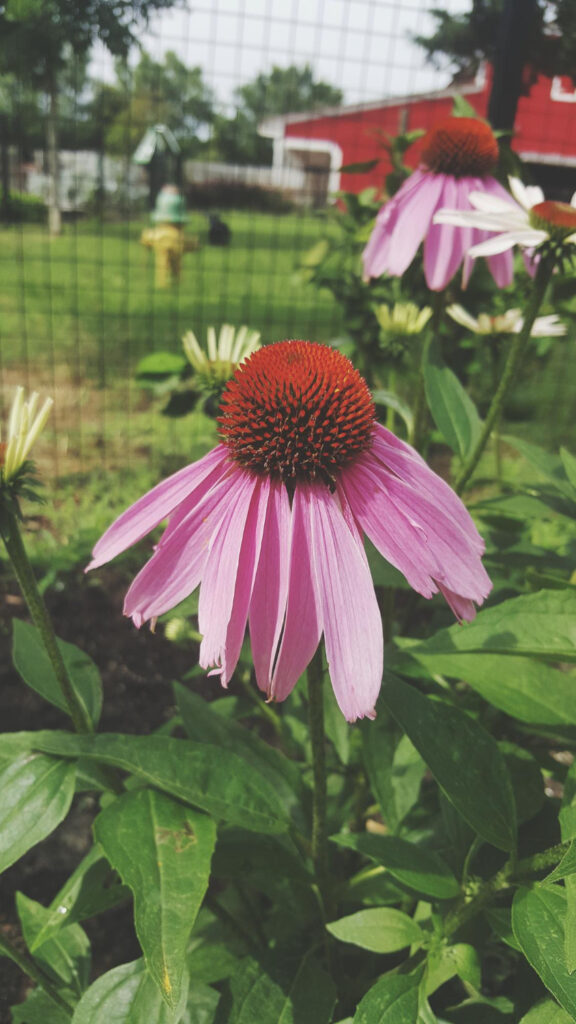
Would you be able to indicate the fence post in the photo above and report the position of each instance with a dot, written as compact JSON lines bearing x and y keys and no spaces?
{"x":515,"y":26}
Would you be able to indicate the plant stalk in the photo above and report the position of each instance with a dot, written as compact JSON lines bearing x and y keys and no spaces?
{"x":315,"y":676}
{"x":24,"y":573}
{"x":515,"y":357}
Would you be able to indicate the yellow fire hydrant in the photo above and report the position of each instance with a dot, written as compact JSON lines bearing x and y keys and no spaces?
{"x":167,"y":239}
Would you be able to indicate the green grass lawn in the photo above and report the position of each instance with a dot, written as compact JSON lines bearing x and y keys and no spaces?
{"x":87,"y":299}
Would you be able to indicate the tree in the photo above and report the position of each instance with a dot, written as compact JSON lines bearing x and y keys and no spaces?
{"x":281,"y":91}
{"x":464,"y":40}
{"x":169,"y":93}
{"x":37,"y":38}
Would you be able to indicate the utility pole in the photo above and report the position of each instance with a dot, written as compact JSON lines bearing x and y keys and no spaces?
{"x":511,"y":47}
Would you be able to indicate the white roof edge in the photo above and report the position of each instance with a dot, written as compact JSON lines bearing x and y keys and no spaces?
{"x":555,"y":159}
{"x":272,"y":127}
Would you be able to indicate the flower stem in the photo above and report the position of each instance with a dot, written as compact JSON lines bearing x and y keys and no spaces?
{"x":515,"y":356}
{"x":34,"y":971}
{"x":317,"y":739}
{"x":12,"y":538}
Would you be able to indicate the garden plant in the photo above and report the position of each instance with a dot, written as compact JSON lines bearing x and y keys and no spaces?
{"x":372,"y":819}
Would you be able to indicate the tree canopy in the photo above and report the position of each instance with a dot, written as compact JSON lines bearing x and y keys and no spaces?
{"x":464,"y":40}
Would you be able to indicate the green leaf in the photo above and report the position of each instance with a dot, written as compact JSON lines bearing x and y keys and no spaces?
{"x":392,"y":1000}
{"x":452,"y":409}
{"x":394,"y":768}
{"x":126,"y":995}
{"x":157,"y":365}
{"x":461,"y":107}
{"x":462,"y":756}
{"x":92,"y":888}
{"x":201,"y":1006}
{"x":526,"y":689}
{"x":381,"y":930}
{"x":33,"y":664}
{"x":538,"y":917}
{"x":36,"y":794}
{"x":421,"y":870}
{"x":547,"y":1012}
{"x":570,"y":924}
{"x":205,"y":725}
{"x":500,"y":920}
{"x":337,"y":729}
{"x":569,"y":463}
{"x":205,"y":776}
{"x":460,"y":959}
{"x":392,"y":401}
{"x":549,"y":466}
{"x":526,"y":778}
{"x":541,"y":625}
{"x":38,"y":1008}
{"x":564,"y":869}
{"x":298,"y":994}
{"x":162,"y":852}
{"x":361,"y":167}
{"x":66,"y":957}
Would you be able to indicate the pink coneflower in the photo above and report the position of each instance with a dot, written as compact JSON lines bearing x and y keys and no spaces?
{"x":270,"y":525}
{"x":459,"y":154}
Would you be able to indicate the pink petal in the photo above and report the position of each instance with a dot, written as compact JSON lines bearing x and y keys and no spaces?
{"x":153,"y":507}
{"x":176,"y":567}
{"x":445,"y":244}
{"x":349,"y":609}
{"x":270,"y":590}
{"x":462,"y":607}
{"x":303,"y":624}
{"x":401,"y":225}
{"x":232,"y":548}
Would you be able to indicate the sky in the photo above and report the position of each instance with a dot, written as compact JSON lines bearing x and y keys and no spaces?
{"x":362,"y":46}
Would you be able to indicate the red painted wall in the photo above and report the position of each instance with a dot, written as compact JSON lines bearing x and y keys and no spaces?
{"x":543,"y":126}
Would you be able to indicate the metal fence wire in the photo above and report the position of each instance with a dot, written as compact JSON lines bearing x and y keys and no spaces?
{"x":200,"y":106}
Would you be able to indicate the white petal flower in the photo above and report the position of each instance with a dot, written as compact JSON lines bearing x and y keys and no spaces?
{"x":510,"y":322}
{"x":527,"y":219}
{"x":217,"y":363}
{"x":24,"y":426}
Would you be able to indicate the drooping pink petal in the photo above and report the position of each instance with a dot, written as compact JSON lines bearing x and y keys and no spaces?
{"x":247,"y":565}
{"x":397,"y":539}
{"x":176,"y":567}
{"x":153,"y":507}
{"x":445,"y":245}
{"x":270,"y":590}
{"x":303,"y":623}
{"x":221,"y":572}
{"x":407,"y":464}
{"x":462,"y":607}
{"x":349,"y":609}
{"x":402,"y":224}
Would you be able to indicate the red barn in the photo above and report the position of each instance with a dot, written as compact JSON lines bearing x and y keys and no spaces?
{"x":322,"y":142}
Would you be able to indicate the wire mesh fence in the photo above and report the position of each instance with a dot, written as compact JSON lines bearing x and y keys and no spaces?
{"x":79,"y":309}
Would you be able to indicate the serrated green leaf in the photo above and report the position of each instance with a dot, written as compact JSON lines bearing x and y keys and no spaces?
{"x":452,"y":409}
{"x":33,"y":664}
{"x":547,"y":1012}
{"x":538,"y":917}
{"x":36,"y":794}
{"x":421,"y":870}
{"x":394,"y":768}
{"x":566,"y":867}
{"x":392,"y":1000}
{"x":550,"y":466}
{"x":126,"y":995}
{"x":67,"y":956}
{"x":460,"y":959}
{"x":162,"y":852}
{"x":380,"y":929}
{"x":199,"y":774}
{"x":462,"y":756}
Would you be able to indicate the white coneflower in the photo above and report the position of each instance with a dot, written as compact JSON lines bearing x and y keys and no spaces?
{"x":217,"y":363}
{"x":25,"y":424}
{"x":402,"y":318}
{"x":510,"y":322}
{"x":526,"y":219}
